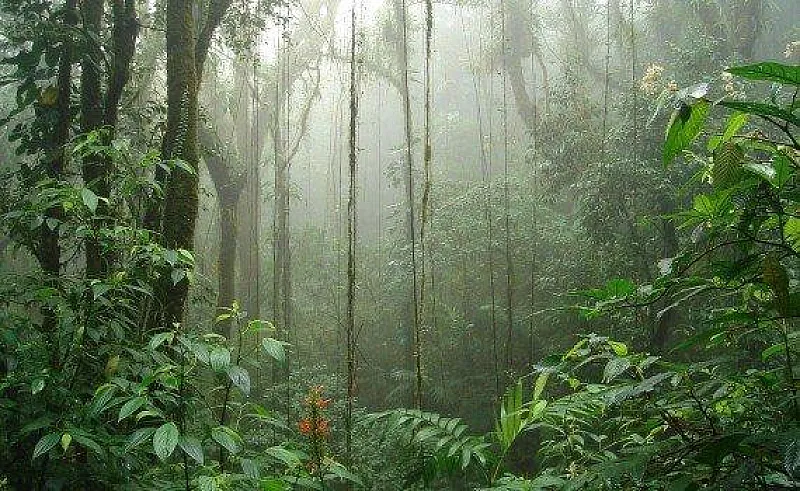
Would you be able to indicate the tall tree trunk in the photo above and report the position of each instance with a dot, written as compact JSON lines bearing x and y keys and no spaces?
{"x":95,"y":168}
{"x":180,"y":142}
{"x":411,"y":306}
{"x":48,"y":252}
{"x":351,"y":244}
{"x":185,"y":59}
{"x":228,"y":186}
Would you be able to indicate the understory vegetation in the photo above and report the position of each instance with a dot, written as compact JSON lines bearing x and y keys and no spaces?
{"x":485,"y":245}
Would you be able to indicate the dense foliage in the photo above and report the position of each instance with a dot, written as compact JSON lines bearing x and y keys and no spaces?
{"x":519,"y":283}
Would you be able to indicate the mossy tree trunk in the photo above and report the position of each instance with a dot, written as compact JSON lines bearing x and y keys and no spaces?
{"x":186,"y":55}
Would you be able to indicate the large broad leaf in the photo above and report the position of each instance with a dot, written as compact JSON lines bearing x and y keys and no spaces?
{"x":240,"y":378}
{"x":614,"y":368}
{"x":227,"y":438}
{"x":769,"y":70}
{"x":727,"y":169}
{"x":275,"y":349}
{"x":45,"y":444}
{"x":289,"y":458}
{"x":130,"y":407}
{"x":137,"y":438}
{"x":165,"y":440}
{"x":89,"y":199}
{"x":192,"y":447}
{"x":684,"y":126}
{"x":764,"y":110}
{"x":220,"y":358}
{"x":791,"y":231}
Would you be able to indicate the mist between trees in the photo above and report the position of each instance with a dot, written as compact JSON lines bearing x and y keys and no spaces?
{"x":390,"y":245}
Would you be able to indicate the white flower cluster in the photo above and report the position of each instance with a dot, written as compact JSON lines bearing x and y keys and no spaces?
{"x":651,"y":79}
{"x":792,"y":50}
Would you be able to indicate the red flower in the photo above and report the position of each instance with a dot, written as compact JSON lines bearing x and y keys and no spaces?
{"x":323,"y":403}
{"x":305,"y":426}
{"x":322,"y":426}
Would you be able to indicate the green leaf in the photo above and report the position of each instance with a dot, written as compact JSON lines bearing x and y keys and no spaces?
{"x":791,"y":231}
{"x":339,"y":471}
{"x":159,"y":339}
{"x":89,"y":199}
{"x":250,"y":468}
{"x":220,"y":358}
{"x":763,"y":110}
{"x":768,"y":70}
{"x":130,"y":407}
{"x":87,"y":442}
{"x":727,"y":169}
{"x":165,"y":440}
{"x":619,"y":348}
{"x":772,"y":351}
{"x":66,"y":439}
{"x":227,"y":438}
{"x":37,"y":385}
{"x":207,"y":483}
{"x":614,"y":368}
{"x":684,"y":127}
{"x":735,"y":123}
{"x":272,"y":484}
{"x":240,"y":378}
{"x":538,"y":388}
{"x":192,"y":447}
{"x":45,"y":444}
{"x":137,"y":438}
{"x":287,"y":457}
{"x":275,"y":349}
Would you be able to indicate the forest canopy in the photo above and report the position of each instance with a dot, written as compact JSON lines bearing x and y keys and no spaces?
{"x":392,"y":245}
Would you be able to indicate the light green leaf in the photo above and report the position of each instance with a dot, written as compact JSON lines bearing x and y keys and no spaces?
{"x":791,"y":231}
{"x":275,"y":349}
{"x":89,"y":199}
{"x":130,"y":407}
{"x":684,"y":127}
{"x":227,"y":438}
{"x":220,"y":358}
{"x":165,"y":440}
{"x":768,"y":70}
{"x":619,"y":348}
{"x":37,"y":385}
{"x":240,"y":378}
{"x":192,"y":447}
{"x":66,"y":439}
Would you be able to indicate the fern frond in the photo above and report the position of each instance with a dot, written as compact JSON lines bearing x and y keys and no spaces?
{"x":445,"y":438}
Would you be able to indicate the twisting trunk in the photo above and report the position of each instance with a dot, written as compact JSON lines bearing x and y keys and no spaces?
{"x":228,"y":186}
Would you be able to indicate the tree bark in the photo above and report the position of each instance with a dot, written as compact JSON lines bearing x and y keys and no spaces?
{"x":95,"y":168}
{"x":185,"y":58}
